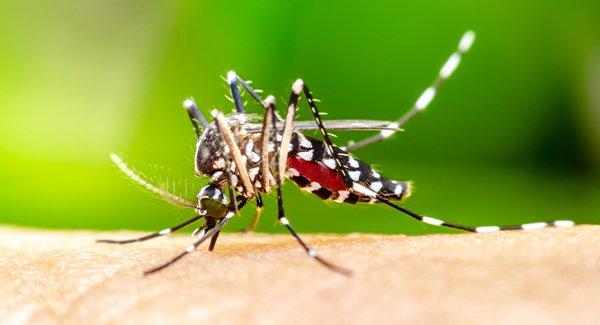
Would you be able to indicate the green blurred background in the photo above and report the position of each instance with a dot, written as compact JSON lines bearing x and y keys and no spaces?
{"x":514,"y":136}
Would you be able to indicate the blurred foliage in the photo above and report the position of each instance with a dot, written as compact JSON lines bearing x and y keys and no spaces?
{"x":514,"y":136}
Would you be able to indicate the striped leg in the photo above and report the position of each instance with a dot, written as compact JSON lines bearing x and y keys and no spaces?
{"x":298,"y":88}
{"x":426,"y":97}
{"x":281,"y":151}
{"x":482,"y":229}
{"x":208,"y":234}
{"x":163,"y":232}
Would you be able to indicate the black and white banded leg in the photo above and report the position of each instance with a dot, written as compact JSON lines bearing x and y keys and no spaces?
{"x":211,"y":231}
{"x":163,"y":232}
{"x":280,"y":151}
{"x":481,"y":229}
{"x":192,"y":247}
{"x":299,"y":87}
{"x":426,"y":97}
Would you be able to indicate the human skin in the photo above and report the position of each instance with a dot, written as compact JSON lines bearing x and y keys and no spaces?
{"x":542,"y":276}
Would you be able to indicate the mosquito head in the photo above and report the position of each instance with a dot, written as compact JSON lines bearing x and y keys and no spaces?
{"x":212,"y":201}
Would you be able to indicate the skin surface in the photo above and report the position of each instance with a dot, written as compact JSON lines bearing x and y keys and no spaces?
{"x":543,"y":276}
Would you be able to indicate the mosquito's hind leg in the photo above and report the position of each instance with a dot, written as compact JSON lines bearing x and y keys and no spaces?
{"x":426,"y":97}
{"x":281,"y":151}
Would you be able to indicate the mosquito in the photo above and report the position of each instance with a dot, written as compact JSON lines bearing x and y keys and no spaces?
{"x":252,"y":158}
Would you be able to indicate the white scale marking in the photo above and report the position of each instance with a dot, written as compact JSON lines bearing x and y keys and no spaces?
{"x":398,"y":189}
{"x":284,"y":221}
{"x":253,"y":172}
{"x":353,"y":162}
{"x":231,"y":77}
{"x":313,"y":187}
{"x":432,"y":221}
{"x":190,"y":248}
{"x":305,"y":143}
{"x":486,"y":229}
{"x":425,"y":99}
{"x":450,"y":66}
{"x":376,"y":186}
{"x":343,"y":195}
{"x":165,"y":232}
{"x":355,"y":175}
{"x":375,"y":174}
{"x":330,"y":163}
{"x":563,"y":223}
{"x":466,"y":41}
{"x":216,"y":175}
{"x":312,"y":253}
{"x":298,"y":86}
{"x":363,"y":190}
{"x":306,"y":155}
{"x":249,"y":147}
{"x":534,"y":226}
{"x":388,"y":133}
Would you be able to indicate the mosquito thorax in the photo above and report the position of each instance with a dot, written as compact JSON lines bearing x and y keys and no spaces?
{"x":209,"y":160}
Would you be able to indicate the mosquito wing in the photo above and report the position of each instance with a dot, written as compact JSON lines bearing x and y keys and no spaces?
{"x":343,"y":125}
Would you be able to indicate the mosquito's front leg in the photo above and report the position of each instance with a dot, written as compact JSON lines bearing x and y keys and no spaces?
{"x":281,"y":151}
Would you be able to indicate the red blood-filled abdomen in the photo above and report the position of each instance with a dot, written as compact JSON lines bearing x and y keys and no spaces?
{"x":316,"y":172}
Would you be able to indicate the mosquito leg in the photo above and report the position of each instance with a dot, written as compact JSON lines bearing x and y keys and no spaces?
{"x":192,"y":247}
{"x":426,"y":97}
{"x":163,"y":232}
{"x":279,"y":152}
{"x":233,"y":150}
{"x":257,"y":215}
{"x":298,"y":88}
{"x":210,"y":224}
{"x":481,"y":229}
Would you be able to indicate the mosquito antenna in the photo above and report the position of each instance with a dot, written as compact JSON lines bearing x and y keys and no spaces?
{"x":169,"y":197}
{"x":197,"y":119}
